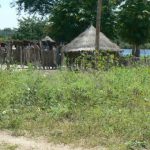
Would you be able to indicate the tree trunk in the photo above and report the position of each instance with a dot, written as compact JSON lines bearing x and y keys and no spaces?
{"x":98,"y":24}
{"x":136,"y":51}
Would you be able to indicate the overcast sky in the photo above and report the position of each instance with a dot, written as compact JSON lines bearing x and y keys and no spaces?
{"x":8,"y":15}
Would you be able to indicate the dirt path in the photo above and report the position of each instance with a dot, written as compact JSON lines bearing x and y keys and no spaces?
{"x":24,"y":143}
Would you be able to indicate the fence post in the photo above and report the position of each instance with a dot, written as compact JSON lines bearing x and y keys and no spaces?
{"x":21,"y":61}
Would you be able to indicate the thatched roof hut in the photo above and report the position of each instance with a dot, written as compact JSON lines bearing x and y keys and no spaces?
{"x":86,"y":42}
{"x":48,"y":39}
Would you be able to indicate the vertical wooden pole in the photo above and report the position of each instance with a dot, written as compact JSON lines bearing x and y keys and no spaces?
{"x":8,"y":56}
{"x":21,"y":56}
{"x":62,"y":55}
{"x":98,"y":24}
{"x":39,"y":59}
{"x":42,"y":55}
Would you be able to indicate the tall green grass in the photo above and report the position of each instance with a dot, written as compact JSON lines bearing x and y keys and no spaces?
{"x":111,"y":109}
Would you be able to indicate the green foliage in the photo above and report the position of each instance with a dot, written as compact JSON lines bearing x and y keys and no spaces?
{"x":6,"y":34}
{"x":30,"y":29}
{"x":101,"y":108}
{"x":76,"y":16}
{"x":93,"y":60}
{"x":32,"y":6}
{"x":69,"y":17}
{"x":136,"y":145}
{"x":5,"y":146}
{"x":134,"y":21}
{"x":72,"y":16}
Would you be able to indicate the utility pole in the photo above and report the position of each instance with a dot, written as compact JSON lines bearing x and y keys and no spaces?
{"x":98,"y":24}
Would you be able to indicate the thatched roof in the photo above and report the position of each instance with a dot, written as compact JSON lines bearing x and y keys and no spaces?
{"x":47,"y":38}
{"x":86,"y":42}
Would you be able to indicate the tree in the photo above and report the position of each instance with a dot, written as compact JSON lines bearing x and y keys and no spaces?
{"x":69,"y":19}
{"x":134,"y":23}
{"x":34,"y":6}
{"x":30,"y":29}
{"x":72,"y":16}
{"x":7,"y":33}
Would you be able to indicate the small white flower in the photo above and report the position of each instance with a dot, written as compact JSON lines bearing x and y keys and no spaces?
{"x":120,"y":110}
{"x":28,"y":89}
{"x":4,"y":112}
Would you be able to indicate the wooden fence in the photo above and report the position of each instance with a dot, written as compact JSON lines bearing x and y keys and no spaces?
{"x":40,"y":56}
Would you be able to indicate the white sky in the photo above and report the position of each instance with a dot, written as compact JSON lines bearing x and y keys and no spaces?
{"x":8,"y":15}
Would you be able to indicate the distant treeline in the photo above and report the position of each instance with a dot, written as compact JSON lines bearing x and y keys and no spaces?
{"x":124,"y":45}
{"x":39,"y":31}
{"x":7,"y":32}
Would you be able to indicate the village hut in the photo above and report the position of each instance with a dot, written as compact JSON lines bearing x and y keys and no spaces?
{"x":48,"y":40}
{"x":48,"y":53}
{"x":85,"y":42}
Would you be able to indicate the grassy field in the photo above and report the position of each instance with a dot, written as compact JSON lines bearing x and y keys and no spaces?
{"x":111,"y":109}
{"x":6,"y":146}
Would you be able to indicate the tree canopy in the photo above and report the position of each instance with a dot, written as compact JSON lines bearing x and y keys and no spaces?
{"x":7,"y":33}
{"x":30,"y":28}
{"x":134,"y":21}
{"x":72,"y":16}
{"x":34,"y":6}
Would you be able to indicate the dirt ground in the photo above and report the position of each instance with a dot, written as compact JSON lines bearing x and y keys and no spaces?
{"x":8,"y":141}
